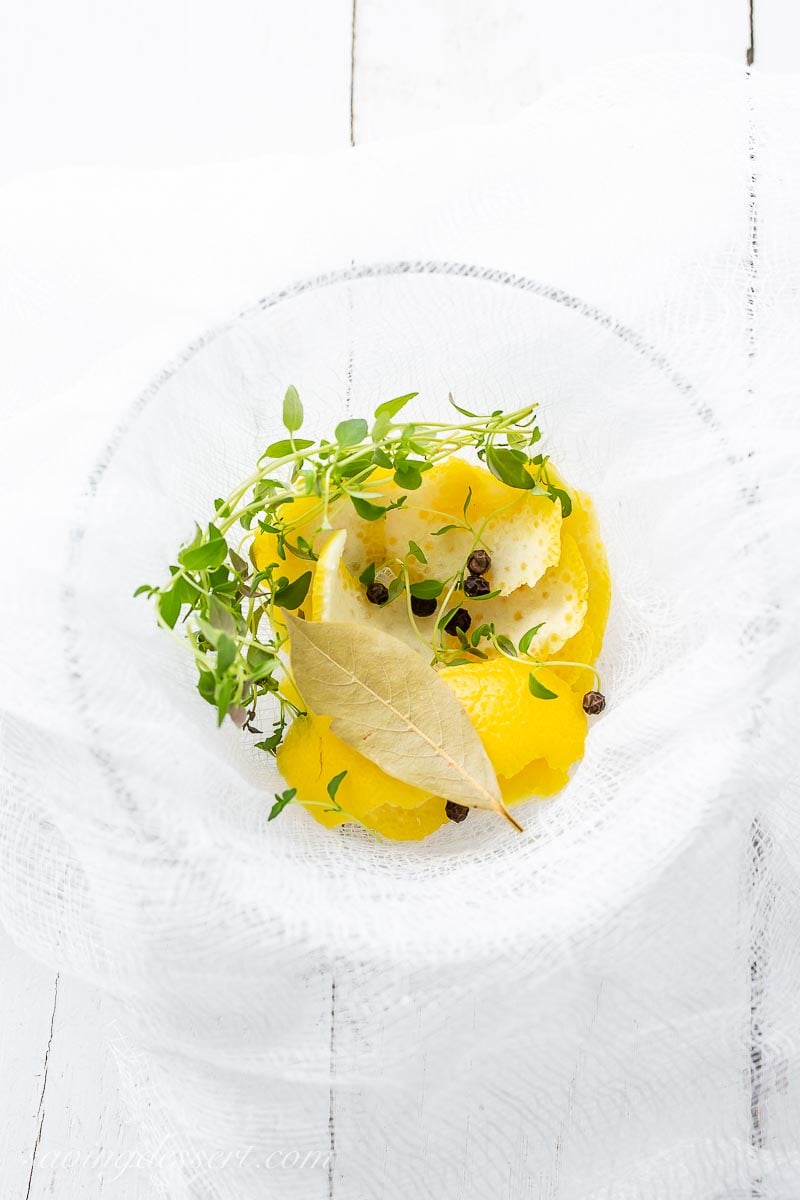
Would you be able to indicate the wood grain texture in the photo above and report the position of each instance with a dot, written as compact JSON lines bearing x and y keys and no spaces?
{"x":63,"y":1130}
{"x":27,"y":999}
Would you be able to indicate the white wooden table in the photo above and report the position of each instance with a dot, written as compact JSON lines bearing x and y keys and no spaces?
{"x":191,"y":81}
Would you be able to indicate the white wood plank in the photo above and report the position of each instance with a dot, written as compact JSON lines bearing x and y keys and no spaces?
{"x":431,"y":63}
{"x":27,"y":999}
{"x":63,"y":1130}
{"x":89,"y":1149}
{"x":776,"y":31}
{"x":152,"y":84}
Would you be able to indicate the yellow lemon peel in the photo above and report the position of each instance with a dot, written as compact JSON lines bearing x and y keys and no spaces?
{"x":366,"y":540}
{"x":311,"y":755}
{"x":531,"y":743}
{"x":339,"y":596}
{"x":549,"y":569}
{"x":584,"y":527}
{"x":264,"y":547}
{"x":538,"y":778}
{"x":559,"y":601}
{"x":523,"y":538}
{"x":514,"y":726}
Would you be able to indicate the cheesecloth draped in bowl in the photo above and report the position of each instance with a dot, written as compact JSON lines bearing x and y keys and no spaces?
{"x":603,"y":1006}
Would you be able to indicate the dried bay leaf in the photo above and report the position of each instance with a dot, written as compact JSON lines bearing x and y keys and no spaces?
{"x":394,"y":709}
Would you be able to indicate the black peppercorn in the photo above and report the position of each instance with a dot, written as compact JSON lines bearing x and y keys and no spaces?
{"x":476,"y":585}
{"x":456,"y":812}
{"x":478,"y":562}
{"x":459,"y":620}
{"x":377,"y":593}
{"x":594,"y":703}
{"x":422,"y":606}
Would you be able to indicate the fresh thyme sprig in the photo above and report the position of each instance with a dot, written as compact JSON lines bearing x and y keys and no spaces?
{"x":224,"y":610}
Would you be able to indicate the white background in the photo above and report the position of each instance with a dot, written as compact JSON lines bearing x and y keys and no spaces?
{"x":177,"y":82}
